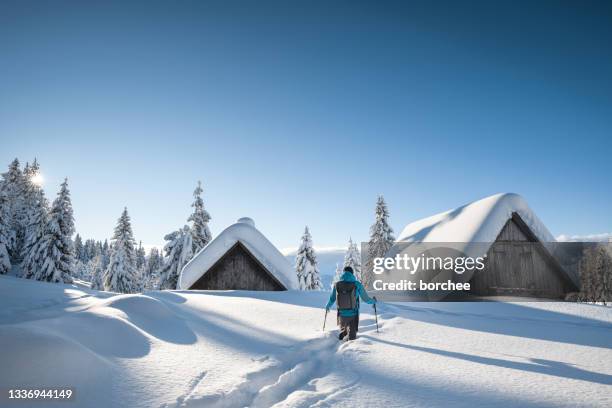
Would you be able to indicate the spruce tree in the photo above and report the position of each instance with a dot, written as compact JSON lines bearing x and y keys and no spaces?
{"x":153,"y":265}
{"x":337,"y":276}
{"x":56,"y":253}
{"x":96,"y":273}
{"x":6,"y":233}
{"x":587,"y":266}
{"x":121,"y":274}
{"x":178,"y":252}
{"x":352,"y":258}
{"x":140,"y":257}
{"x":90,"y":250}
{"x":200,"y":232}
{"x":105,"y":254}
{"x":13,"y":184}
{"x":381,"y":240}
{"x":33,"y":249}
{"x":306,"y":265}
{"x":79,"y":249}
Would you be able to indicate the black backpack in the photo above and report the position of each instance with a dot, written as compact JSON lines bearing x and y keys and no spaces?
{"x":346,"y":295}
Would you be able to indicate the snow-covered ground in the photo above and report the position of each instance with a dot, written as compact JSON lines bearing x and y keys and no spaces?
{"x":262,"y":349}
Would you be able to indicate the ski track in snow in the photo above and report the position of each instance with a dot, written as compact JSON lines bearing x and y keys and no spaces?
{"x":303,"y":376}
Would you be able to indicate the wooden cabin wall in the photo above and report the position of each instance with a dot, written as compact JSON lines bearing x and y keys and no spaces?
{"x":237,"y":270}
{"x":515,"y":266}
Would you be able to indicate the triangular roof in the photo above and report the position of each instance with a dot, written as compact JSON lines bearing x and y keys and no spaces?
{"x":479,"y":222}
{"x":244,"y":232}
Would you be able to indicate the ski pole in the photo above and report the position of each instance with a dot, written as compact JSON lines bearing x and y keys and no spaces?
{"x":325,"y":320}
{"x":376,"y":314}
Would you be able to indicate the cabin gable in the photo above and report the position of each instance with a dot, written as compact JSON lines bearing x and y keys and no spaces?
{"x":238,"y":269}
{"x":518,"y":264}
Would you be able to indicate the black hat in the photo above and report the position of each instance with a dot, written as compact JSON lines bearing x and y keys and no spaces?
{"x":348,"y":269}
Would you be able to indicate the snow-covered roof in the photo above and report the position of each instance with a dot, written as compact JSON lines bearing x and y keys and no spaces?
{"x":477,"y":222}
{"x":242,"y":231}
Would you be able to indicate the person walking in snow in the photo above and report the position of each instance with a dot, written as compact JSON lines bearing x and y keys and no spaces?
{"x":346,"y":294}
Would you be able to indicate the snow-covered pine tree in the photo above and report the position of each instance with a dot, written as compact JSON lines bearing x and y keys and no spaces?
{"x":352,"y":258}
{"x":178,"y":252}
{"x":381,"y":240}
{"x":140,"y":257}
{"x":602,"y":271}
{"x":154,"y":264}
{"x":121,"y":274}
{"x":6,"y":233}
{"x":96,"y":273}
{"x":12,"y":184}
{"x":56,"y":247}
{"x":337,"y":276}
{"x":33,"y":248}
{"x":587,"y":266}
{"x":200,"y":232}
{"x":79,"y":249}
{"x":306,"y":265}
{"x":91,"y":249}
{"x":105,"y":254}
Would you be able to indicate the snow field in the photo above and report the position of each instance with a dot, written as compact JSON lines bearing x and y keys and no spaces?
{"x":266,"y":349}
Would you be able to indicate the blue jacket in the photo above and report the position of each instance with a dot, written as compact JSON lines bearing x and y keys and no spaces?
{"x":360,"y":292}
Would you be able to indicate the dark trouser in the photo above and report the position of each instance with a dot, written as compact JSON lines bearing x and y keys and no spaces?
{"x":348,"y":325}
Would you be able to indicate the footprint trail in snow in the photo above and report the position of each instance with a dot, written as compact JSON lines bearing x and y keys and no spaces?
{"x":305,"y":375}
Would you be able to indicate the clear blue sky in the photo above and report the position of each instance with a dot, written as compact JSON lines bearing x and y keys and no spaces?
{"x":299,"y":113}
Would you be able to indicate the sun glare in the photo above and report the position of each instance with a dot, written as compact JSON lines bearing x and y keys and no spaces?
{"x":38,"y":179}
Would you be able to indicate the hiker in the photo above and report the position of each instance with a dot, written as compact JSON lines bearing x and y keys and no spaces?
{"x":346,"y":294}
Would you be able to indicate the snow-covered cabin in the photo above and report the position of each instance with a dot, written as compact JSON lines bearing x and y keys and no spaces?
{"x":242,"y":258}
{"x":517,"y":245}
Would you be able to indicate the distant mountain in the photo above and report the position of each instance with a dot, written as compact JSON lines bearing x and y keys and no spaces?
{"x":328,"y":258}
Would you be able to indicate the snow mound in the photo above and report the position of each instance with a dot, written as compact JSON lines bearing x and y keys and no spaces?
{"x":243,"y":231}
{"x":477,"y":222}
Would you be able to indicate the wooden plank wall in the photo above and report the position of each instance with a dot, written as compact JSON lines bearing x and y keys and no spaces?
{"x":516,"y":266}
{"x":237,"y":270}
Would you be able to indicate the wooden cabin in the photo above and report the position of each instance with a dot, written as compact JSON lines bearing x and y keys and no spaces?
{"x":515,"y":243}
{"x":240,"y":258}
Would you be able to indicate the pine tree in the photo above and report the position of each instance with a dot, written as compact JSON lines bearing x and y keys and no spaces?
{"x":602,"y":275}
{"x":587,"y":266}
{"x":33,"y":249}
{"x":5,"y":233}
{"x":13,"y":184}
{"x":381,"y":240}
{"x":56,"y":254}
{"x":178,"y":252}
{"x":200,"y":232}
{"x":306,"y":265}
{"x":154,"y":264}
{"x":337,"y":276}
{"x":121,"y":274}
{"x":352,"y":258}
{"x":96,"y":273}
{"x":105,"y":254}
{"x":79,"y":249}
{"x":91,"y":249}
{"x":140,"y":257}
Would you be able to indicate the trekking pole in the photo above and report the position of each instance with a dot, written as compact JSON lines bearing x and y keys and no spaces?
{"x":376,"y":314}
{"x":325,"y":320}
